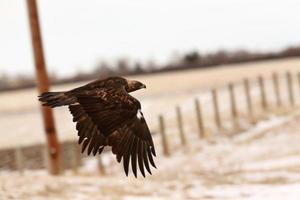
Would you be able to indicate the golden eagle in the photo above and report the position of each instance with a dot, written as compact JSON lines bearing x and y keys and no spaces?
{"x":106,"y":115}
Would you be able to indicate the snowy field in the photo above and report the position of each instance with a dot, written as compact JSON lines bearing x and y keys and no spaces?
{"x":260,"y":163}
{"x":250,"y":161}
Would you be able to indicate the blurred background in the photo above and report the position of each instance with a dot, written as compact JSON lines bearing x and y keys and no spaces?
{"x":222,"y":98}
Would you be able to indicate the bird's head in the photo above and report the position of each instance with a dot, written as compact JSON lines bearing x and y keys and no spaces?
{"x":134,"y":85}
{"x":129,"y":85}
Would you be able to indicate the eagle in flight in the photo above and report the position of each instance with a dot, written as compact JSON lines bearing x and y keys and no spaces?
{"x":106,"y":115}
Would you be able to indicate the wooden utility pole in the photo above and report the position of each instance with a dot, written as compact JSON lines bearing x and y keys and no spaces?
{"x":43,"y":86}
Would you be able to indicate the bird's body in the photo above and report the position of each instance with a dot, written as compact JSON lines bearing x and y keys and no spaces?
{"x":106,"y":115}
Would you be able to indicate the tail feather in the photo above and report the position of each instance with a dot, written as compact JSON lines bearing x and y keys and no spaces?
{"x":55,"y":99}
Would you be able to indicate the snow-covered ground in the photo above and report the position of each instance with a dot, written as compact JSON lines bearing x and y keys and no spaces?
{"x":247,"y":162}
{"x":260,"y":163}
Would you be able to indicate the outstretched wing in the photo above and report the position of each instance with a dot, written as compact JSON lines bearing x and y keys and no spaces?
{"x":118,"y":117}
{"x":134,"y":141}
{"x":88,"y":132}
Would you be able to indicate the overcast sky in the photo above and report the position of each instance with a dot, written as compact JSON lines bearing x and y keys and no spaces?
{"x":77,"y":33}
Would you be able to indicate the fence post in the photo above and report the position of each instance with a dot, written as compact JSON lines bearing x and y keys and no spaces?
{"x":299,"y":82}
{"x":101,"y":167}
{"x":248,"y":99}
{"x":45,"y":155}
{"x":76,"y":158}
{"x":19,"y":160}
{"x":216,"y":108}
{"x":180,"y":126}
{"x":264,"y":103}
{"x":234,"y":111}
{"x":201,"y":129}
{"x":289,"y":80}
{"x":166,"y":150}
{"x":277,"y":89}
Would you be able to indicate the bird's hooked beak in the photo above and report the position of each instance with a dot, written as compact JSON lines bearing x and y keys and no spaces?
{"x":134,"y":85}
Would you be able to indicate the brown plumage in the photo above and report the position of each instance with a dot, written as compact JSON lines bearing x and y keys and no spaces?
{"x":106,"y":115}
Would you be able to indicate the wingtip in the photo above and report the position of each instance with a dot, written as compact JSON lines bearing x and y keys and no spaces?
{"x":126,"y":167}
{"x":153,"y":164}
{"x":89,"y":152}
{"x":153,"y":151}
{"x":95,"y":152}
{"x":126,"y":173}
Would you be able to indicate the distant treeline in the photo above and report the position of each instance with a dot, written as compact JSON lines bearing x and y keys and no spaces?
{"x":190,"y":60}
